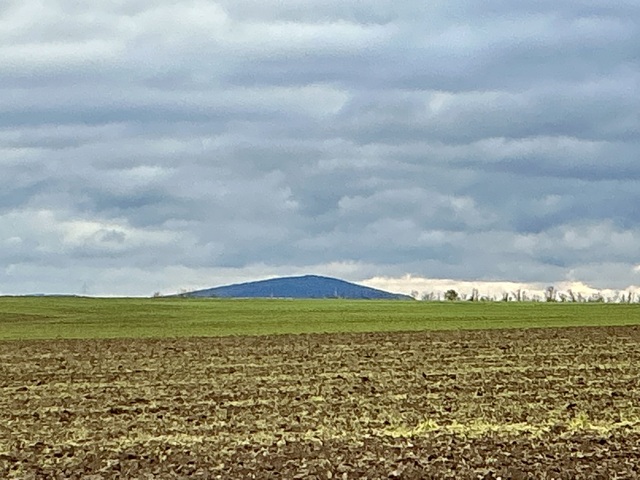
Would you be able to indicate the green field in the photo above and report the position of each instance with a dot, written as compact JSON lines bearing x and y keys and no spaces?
{"x":176,"y":388}
{"x":71,"y":317}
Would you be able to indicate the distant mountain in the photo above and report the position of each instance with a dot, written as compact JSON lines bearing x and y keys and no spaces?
{"x":308,"y":286}
{"x":48,"y":295}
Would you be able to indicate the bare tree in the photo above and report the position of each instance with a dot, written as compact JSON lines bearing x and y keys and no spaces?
{"x":428,"y":296}
{"x":475,"y":296}
{"x":550,"y":294}
{"x":596,"y":298}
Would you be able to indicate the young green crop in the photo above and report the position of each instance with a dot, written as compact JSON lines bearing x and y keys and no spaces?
{"x":73,"y":317}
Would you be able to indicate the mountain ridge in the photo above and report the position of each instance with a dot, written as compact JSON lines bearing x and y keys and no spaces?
{"x":305,"y":286}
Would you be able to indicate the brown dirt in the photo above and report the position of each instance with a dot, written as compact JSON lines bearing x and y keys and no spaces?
{"x":556,"y":403}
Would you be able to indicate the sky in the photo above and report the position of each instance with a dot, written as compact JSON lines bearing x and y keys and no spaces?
{"x":162,"y":146}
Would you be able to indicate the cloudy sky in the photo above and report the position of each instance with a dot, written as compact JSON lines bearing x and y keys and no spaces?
{"x":156,"y":145}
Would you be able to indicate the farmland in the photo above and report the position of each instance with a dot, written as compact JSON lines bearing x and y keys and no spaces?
{"x":440,"y":400}
{"x":70,"y":317}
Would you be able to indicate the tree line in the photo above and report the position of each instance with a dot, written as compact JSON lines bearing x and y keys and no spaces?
{"x":550,"y":295}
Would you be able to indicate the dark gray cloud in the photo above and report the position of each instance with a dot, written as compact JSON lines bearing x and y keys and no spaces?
{"x":159,"y":145}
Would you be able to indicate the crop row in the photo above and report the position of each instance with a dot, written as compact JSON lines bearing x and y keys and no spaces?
{"x":458,"y":404}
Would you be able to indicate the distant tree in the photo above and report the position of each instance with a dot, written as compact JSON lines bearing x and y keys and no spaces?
{"x":596,"y":298}
{"x":156,"y":294}
{"x":451,"y":295}
{"x":550,"y":294}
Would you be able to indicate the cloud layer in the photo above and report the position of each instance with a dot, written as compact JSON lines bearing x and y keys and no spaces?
{"x":152,"y":146}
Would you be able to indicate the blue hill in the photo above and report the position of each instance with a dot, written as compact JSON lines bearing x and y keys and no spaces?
{"x":308,"y":286}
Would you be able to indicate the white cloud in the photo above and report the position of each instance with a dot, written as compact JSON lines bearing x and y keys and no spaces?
{"x":435,"y":288}
{"x":198,"y":142}
{"x":51,"y":233}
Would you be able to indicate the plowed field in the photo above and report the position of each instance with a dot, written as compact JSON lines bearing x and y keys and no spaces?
{"x":538,"y":403}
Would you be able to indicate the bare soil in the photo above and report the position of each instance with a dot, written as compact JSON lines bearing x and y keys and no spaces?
{"x":539,"y":403}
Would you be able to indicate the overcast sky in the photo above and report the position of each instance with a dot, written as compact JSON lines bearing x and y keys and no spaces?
{"x":156,"y":145}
